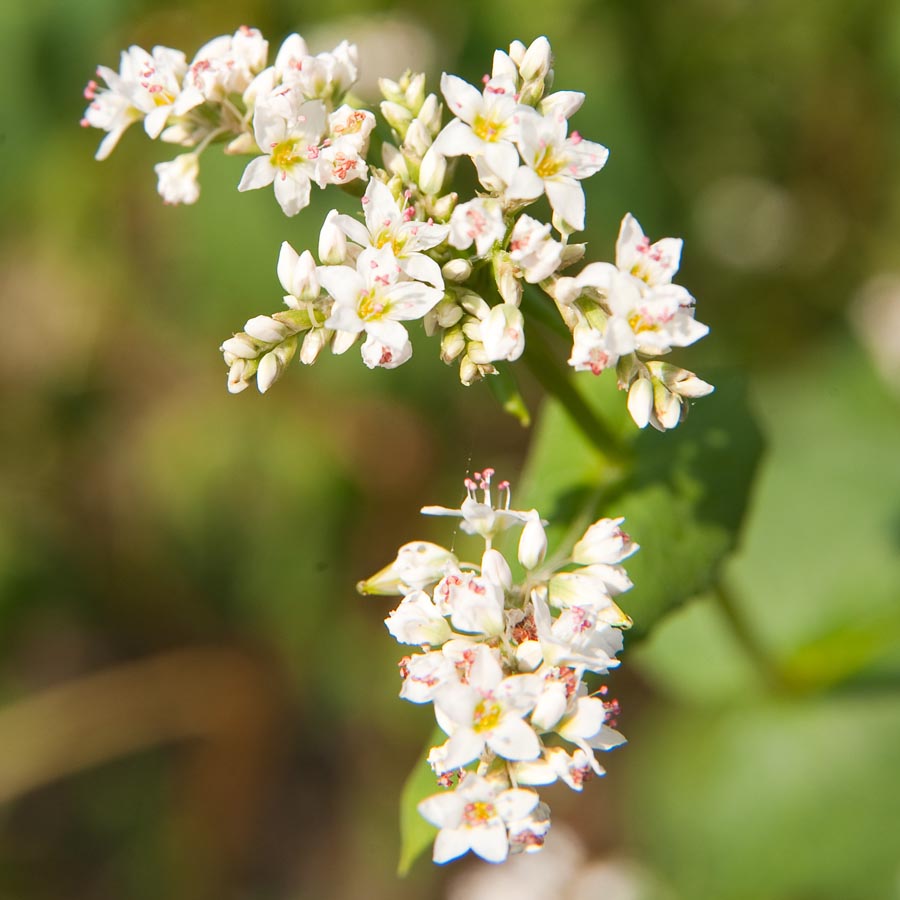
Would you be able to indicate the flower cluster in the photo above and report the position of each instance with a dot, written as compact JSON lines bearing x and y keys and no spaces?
{"x":417,"y":250}
{"x":288,"y":115}
{"x":503,"y":663}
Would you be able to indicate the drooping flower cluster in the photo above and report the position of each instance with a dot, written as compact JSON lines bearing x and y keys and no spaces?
{"x":417,"y":250}
{"x":289,"y":115}
{"x":503,"y":663}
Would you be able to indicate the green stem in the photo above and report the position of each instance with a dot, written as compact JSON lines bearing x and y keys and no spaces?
{"x":544,"y":366}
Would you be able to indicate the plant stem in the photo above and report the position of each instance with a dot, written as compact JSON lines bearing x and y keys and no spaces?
{"x":544,"y":366}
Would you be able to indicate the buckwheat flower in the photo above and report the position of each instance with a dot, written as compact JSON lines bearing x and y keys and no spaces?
{"x":474,"y":603}
{"x":604,"y":542}
{"x":655,"y":264}
{"x":325,"y":76}
{"x":486,"y":124}
{"x":147,"y":86}
{"x":586,"y":727}
{"x":178,"y":179}
{"x":474,"y":816}
{"x":417,"y":620}
{"x":537,"y":255}
{"x":479,"y":221}
{"x":225,"y":65}
{"x":577,"y":641}
{"x":388,"y":224}
{"x":332,"y":242}
{"x":291,"y":153}
{"x":424,"y":674}
{"x":481,"y":516}
{"x":487,"y":712}
{"x":351,"y":127}
{"x":555,"y":164}
{"x":590,"y":352}
{"x":371,"y":298}
{"x":503,"y":333}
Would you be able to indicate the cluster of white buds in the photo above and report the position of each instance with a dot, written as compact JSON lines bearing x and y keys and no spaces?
{"x":289,"y":115}
{"x":417,"y":250}
{"x":503,"y":663}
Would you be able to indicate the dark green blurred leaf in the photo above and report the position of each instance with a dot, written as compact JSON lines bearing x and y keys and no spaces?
{"x":684,"y":498}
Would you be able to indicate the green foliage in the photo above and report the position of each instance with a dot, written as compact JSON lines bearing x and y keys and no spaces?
{"x":683,"y":493}
{"x":417,"y":835}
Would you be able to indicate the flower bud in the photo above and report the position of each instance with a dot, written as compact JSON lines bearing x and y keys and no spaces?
{"x":640,"y":401}
{"x":509,"y":287}
{"x":273,"y":364}
{"x":332,"y":242}
{"x":533,"y":542}
{"x":240,"y":374}
{"x":457,"y":270}
{"x":241,"y":346}
{"x":432,"y":172}
{"x":417,"y":140}
{"x":536,"y":60}
{"x":430,"y":115}
{"x":394,"y":161}
{"x":496,"y":569}
{"x":266,"y":329}
{"x":314,"y":341}
{"x":441,"y":209}
{"x":398,"y":117}
{"x":297,"y":275}
{"x":452,"y":344}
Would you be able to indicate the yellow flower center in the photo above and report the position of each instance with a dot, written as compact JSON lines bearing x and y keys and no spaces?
{"x":478,"y":813}
{"x":284,"y":155}
{"x":370,"y":307}
{"x":549,"y":164}
{"x":487,"y":715}
{"x":487,"y":129}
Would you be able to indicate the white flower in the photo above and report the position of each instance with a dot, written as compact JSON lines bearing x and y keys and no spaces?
{"x":332,"y":242}
{"x":351,"y":127}
{"x":474,"y":604}
{"x":424,"y":674}
{"x":586,"y":727}
{"x":225,"y":65}
{"x":555,"y":164}
{"x":474,"y":816}
{"x":486,"y":124}
{"x":178,"y":179}
{"x":418,"y":621}
{"x":487,"y":712}
{"x":147,"y":86}
{"x":589,"y":350}
{"x":389,"y":225}
{"x":378,"y":355}
{"x":326,"y":76}
{"x":479,"y":221}
{"x":373,"y":299}
{"x":503,"y":332}
{"x":533,"y":250}
{"x":604,"y":542}
{"x":480,"y":516}
{"x":291,"y":152}
{"x":654,"y":264}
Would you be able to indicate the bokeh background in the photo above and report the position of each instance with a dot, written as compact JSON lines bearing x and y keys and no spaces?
{"x":195,"y":702}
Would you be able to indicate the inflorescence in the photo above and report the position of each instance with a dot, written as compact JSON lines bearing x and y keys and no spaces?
{"x":417,"y":251}
{"x":504,"y":662}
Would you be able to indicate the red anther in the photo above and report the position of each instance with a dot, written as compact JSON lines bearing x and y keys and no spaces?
{"x":488,"y":474}
{"x":409,"y":213}
{"x":503,"y":486}
{"x":84,"y":123}
{"x":386,"y":357}
{"x":576,"y":138}
{"x":485,"y":79}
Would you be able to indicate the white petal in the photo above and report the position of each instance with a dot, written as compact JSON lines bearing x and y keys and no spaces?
{"x":490,"y":841}
{"x":259,"y":173}
{"x":566,"y":196}
{"x":514,"y":739}
{"x":451,"y":843}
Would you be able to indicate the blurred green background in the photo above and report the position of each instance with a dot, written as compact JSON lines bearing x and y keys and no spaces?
{"x":195,"y":702}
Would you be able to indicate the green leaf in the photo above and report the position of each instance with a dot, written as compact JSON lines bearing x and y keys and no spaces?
{"x":416,"y":835}
{"x":683,"y":494}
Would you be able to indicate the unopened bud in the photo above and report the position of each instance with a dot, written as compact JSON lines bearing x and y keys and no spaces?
{"x":240,"y":374}
{"x":536,"y":60}
{"x":430,"y":114}
{"x":394,"y":161}
{"x":508,"y":285}
{"x":533,"y":542}
{"x":503,"y":332}
{"x":314,"y":341}
{"x":266,"y":329}
{"x":432,"y":172}
{"x":457,"y":270}
{"x":397,"y":116}
{"x":332,"y":242}
{"x":273,"y":364}
{"x":452,"y":344}
{"x":441,"y":209}
{"x":496,"y":569}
